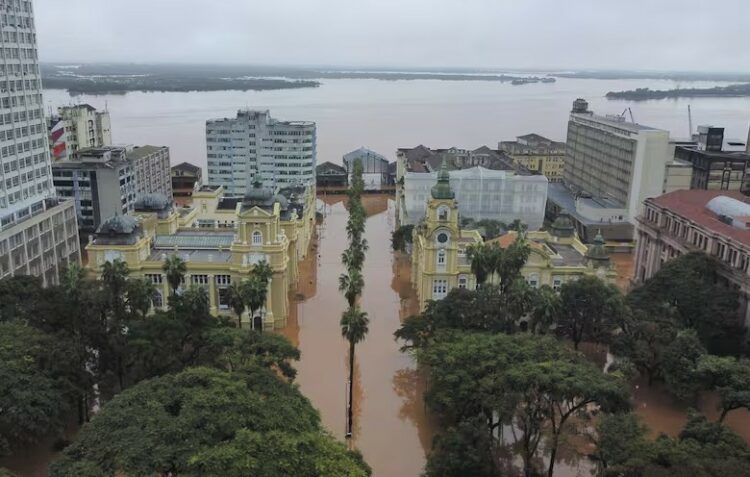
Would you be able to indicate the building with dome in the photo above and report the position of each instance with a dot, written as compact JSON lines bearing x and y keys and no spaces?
{"x":716,"y":222}
{"x":220,"y":238}
{"x":440,"y":261}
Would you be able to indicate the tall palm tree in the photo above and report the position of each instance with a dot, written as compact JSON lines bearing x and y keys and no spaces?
{"x":115,"y":280}
{"x":354,"y":256}
{"x":354,"y":327}
{"x":236,"y":301}
{"x":254,"y":292}
{"x":482,"y":262}
{"x":175,"y":269}
{"x":351,"y":285}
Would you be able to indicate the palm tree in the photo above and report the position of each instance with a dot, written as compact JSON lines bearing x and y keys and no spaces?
{"x":263,"y":272}
{"x":354,"y":328}
{"x":140,"y":295}
{"x":115,"y":279}
{"x":254,"y":293}
{"x":545,"y":310}
{"x":354,"y":256}
{"x":351,"y":285}
{"x":482,"y":262}
{"x":175,"y":269}
{"x":236,"y":301}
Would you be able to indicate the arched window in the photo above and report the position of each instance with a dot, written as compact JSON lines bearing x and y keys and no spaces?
{"x":441,"y":259}
{"x":443,"y":213}
{"x":158,"y":300}
{"x":257,"y":238}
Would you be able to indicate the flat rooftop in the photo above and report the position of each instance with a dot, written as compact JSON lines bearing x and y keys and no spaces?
{"x":613,"y":122}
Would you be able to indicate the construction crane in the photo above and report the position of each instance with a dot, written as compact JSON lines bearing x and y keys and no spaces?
{"x":630,"y":111}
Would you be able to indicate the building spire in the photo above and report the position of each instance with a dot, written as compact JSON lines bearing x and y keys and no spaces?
{"x":442,"y":190}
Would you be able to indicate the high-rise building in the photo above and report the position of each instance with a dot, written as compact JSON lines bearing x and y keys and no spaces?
{"x":152,"y":170}
{"x":254,"y":146}
{"x":101,"y":182}
{"x":38,"y":234}
{"x":611,"y":167}
{"x":78,"y":127}
{"x":613,"y":158}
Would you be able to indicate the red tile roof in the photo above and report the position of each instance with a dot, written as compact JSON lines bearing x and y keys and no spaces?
{"x":691,"y":204}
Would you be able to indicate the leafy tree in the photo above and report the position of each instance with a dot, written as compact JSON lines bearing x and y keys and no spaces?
{"x":620,"y":442}
{"x":279,"y":454}
{"x":242,"y":350}
{"x":20,"y":297}
{"x":589,"y":309}
{"x":463,"y":449}
{"x":533,"y":382}
{"x":492,"y":228}
{"x":509,"y":262}
{"x":690,"y":285}
{"x":548,"y":393}
{"x":354,"y":327}
{"x":35,"y":395}
{"x":140,"y":294}
{"x":208,"y":422}
{"x":703,"y":449}
{"x":402,"y":237}
{"x":254,"y":293}
{"x":730,"y":378}
{"x":680,"y":365}
{"x":643,"y":340}
{"x":175,"y":269}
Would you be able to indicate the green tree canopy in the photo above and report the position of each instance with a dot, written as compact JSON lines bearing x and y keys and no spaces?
{"x":589,"y":310}
{"x":35,"y":392}
{"x":207,"y":422}
{"x":690,"y":285}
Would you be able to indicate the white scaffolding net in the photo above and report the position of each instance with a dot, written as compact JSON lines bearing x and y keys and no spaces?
{"x":481,"y":194}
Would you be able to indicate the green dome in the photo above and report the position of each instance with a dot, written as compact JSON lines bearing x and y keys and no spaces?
{"x":597,"y":252}
{"x":442,"y":190}
{"x":562,"y":226}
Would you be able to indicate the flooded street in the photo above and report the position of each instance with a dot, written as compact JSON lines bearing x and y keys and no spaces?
{"x":391,"y":426}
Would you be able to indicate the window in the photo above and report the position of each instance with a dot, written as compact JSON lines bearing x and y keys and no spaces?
{"x":223,"y":280}
{"x":439,"y":289}
{"x":462,"y":281}
{"x":556,"y":283}
{"x":158,"y":299}
{"x":257,"y":238}
{"x":199,"y":279}
{"x":533,"y":280}
{"x":155,"y":278}
{"x":441,"y":259}
{"x":443,"y":213}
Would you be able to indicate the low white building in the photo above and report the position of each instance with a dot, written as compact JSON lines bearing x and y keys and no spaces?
{"x":374,"y":167}
{"x":481,"y":194}
{"x":78,"y":127}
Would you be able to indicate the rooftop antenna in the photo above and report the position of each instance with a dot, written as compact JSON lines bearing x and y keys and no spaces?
{"x":690,"y":122}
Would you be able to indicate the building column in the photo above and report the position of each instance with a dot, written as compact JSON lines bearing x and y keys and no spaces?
{"x":268,"y":319}
{"x":212,"y":295}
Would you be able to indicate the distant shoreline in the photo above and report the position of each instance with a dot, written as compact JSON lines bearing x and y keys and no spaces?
{"x":121,"y":79}
{"x":644,"y":94}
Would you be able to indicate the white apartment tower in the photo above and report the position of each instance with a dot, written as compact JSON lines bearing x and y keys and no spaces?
{"x":607,"y":156}
{"x":254,"y":146}
{"x":38,"y":234}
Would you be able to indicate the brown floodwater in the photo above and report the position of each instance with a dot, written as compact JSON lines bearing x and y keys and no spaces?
{"x":391,"y":426}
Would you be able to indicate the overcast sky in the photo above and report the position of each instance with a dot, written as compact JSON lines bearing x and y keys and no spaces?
{"x":616,"y":34}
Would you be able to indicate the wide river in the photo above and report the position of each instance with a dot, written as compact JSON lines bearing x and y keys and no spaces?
{"x":385,"y":115}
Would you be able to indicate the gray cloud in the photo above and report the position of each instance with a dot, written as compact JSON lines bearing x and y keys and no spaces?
{"x":637,"y":34}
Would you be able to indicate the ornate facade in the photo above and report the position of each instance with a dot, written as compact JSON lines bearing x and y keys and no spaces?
{"x":439,"y":254}
{"x":220,"y":239}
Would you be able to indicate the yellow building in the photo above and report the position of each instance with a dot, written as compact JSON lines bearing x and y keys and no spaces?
{"x":439,"y":253}
{"x":220,"y":239}
{"x":538,"y":154}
